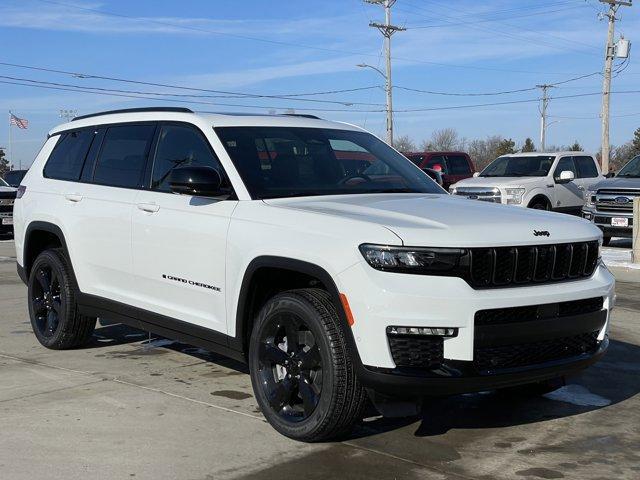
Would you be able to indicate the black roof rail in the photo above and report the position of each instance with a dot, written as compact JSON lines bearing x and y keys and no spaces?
{"x":303,"y":115}
{"x":136,"y":110}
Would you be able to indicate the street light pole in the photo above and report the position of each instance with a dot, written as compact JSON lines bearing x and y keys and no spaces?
{"x":387,"y":30}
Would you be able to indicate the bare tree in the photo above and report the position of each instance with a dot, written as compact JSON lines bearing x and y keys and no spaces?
{"x":483,"y":152}
{"x":404,"y":144}
{"x":444,"y":140}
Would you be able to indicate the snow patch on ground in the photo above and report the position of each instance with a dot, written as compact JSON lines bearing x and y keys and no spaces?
{"x":618,"y":257}
{"x":578,"y":395}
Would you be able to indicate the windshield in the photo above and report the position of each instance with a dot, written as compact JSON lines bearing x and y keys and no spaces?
{"x":631,"y":169}
{"x":3,"y":183}
{"x":524,"y":166}
{"x":14,"y":177}
{"x":277,"y":162}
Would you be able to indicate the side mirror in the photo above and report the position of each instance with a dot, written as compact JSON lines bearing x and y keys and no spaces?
{"x":437,"y":167}
{"x":435,"y":175}
{"x":198,"y":181}
{"x":566,"y":176}
{"x":476,"y":174}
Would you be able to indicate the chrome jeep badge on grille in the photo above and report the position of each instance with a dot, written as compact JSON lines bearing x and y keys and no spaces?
{"x":541,"y":233}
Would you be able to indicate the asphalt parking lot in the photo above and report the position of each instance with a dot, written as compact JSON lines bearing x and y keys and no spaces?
{"x":133,"y":407}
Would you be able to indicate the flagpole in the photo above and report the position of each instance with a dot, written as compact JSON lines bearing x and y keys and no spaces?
{"x":13,"y":163}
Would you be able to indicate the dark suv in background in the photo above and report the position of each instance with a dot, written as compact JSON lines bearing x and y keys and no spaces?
{"x":454,"y":166}
{"x":14,"y":177}
{"x":7,"y":199}
{"x":609,"y":203}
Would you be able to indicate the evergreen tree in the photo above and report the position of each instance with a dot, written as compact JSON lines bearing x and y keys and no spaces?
{"x":576,"y":147}
{"x":528,"y":146}
{"x":4,"y":163}
{"x":635,"y":143}
{"x":506,"y":146}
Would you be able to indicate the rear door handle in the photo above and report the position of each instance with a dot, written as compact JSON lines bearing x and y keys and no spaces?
{"x":148,"y":207}
{"x":73,"y":197}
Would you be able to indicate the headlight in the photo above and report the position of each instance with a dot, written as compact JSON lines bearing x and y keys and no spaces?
{"x":590,"y":198}
{"x":426,"y":261}
{"x":514,"y":195}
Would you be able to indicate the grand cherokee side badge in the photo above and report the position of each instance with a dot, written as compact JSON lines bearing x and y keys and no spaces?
{"x":541,"y":233}
{"x":190,"y":282}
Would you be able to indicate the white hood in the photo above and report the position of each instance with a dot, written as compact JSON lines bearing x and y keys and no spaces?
{"x":499,"y":181}
{"x":444,"y":220}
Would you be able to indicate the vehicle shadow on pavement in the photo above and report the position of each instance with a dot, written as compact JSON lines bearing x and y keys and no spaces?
{"x":583,"y":393}
{"x":109,"y":333}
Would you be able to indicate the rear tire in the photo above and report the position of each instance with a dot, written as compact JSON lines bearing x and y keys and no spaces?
{"x":306,"y":387}
{"x":540,"y":204}
{"x":55,"y":319}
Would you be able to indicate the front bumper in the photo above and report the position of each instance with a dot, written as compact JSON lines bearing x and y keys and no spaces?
{"x":456,"y":377}
{"x":382,"y":299}
{"x":603,"y":221}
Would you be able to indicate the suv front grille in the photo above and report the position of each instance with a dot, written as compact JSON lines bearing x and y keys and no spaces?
{"x":506,"y":266}
{"x":528,"y":354}
{"x":480,"y":193}
{"x":501,"y":316}
{"x":416,"y":350}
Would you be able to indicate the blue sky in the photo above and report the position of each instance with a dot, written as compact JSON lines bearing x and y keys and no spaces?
{"x":303,"y":46}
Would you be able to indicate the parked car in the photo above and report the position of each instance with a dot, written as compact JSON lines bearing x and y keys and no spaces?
{"x":246,"y":235}
{"x":7,"y":198}
{"x":454,"y":166}
{"x":544,"y":181}
{"x":609,"y":203}
{"x":14,"y":177}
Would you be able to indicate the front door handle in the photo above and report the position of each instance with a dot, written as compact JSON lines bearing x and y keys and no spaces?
{"x":148,"y":207}
{"x":73,"y":197}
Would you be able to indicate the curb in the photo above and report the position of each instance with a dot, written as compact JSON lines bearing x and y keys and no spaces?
{"x":624,"y":274}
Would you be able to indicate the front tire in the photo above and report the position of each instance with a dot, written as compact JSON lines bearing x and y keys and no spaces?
{"x":301,"y":370}
{"x":540,"y":204}
{"x":55,"y":319}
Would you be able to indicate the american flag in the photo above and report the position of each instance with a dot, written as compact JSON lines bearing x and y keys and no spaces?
{"x":18,"y":122}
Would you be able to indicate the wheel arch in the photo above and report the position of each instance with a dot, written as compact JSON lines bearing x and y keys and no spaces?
{"x":248,"y":305}
{"x":540,"y":196}
{"x":40,"y":236}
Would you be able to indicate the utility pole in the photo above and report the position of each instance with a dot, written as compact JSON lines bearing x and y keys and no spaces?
{"x":387,"y":30}
{"x":606,"y":87}
{"x":543,"y":115}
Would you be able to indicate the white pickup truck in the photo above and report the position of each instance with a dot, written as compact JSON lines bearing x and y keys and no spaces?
{"x":545,"y":181}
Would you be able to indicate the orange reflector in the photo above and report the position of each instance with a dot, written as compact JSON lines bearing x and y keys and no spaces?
{"x":347,"y":309}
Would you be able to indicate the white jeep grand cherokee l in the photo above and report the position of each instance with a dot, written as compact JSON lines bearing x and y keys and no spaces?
{"x":544,"y":181}
{"x":310,"y":249}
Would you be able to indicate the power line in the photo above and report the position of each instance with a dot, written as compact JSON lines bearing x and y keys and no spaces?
{"x":180,"y":87}
{"x":177,"y":95}
{"x":508,"y":34}
{"x":291,"y":44}
{"x":227,"y":94}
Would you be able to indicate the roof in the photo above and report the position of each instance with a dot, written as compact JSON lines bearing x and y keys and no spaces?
{"x":567,"y":153}
{"x":200,"y":118}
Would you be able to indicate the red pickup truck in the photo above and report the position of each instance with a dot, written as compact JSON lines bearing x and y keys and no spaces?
{"x":454,"y":166}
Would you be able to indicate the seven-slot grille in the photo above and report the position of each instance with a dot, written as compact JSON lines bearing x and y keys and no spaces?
{"x":507,"y":266}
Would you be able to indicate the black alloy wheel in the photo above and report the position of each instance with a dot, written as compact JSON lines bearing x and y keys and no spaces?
{"x":55,"y":319}
{"x":290,"y":367}
{"x":302,"y":371}
{"x":46,"y":301}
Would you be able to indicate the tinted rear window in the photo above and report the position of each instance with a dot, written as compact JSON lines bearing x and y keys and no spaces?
{"x":586,"y":167}
{"x":67,"y":158}
{"x":458,"y":165}
{"x":123,"y":155}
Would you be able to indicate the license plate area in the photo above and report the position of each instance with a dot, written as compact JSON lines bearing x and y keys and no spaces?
{"x":619,"y":222}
